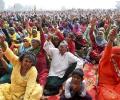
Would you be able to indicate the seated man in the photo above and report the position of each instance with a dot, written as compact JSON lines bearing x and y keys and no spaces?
{"x":62,"y":64}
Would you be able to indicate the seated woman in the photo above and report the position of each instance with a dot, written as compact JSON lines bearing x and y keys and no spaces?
{"x":23,"y":79}
{"x":22,"y":47}
{"x":41,"y":57}
{"x":98,"y":43}
{"x":75,"y":88}
{"x":109,"y":71}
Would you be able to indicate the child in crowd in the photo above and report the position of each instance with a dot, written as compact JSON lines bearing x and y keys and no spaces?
{"x":75,"y":88}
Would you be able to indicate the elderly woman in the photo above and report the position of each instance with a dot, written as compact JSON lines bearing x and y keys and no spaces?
{"x":41,"y":57}
{"x":23,"y":79}
{"x":109,"y":71}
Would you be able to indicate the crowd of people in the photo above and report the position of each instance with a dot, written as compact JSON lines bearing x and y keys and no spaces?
{"x":43,"y":53}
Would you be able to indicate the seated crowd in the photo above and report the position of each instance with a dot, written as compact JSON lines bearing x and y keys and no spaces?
{"x":44,"y":54}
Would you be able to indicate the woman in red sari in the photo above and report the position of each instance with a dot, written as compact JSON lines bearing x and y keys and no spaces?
{"x":109,"y":71}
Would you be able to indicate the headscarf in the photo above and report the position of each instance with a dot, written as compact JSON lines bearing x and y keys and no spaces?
{"x":36,"y":39}
{"x":28,"y":39}
{"x":100,"y":41}
{"x":34,"y":31}
{"x":36,"y":50}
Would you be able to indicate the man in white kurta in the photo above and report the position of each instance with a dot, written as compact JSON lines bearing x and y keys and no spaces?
{"x":62,"y":61}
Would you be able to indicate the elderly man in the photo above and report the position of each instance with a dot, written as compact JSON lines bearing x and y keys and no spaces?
{"x":62,"y":64}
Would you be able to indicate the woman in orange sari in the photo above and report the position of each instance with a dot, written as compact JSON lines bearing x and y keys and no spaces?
{"x":109,"y":71}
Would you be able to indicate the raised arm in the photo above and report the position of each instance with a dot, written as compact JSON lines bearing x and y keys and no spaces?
{"x":92,"y":37}
{"x":108,"y":49}
{"x":86,"y":33}
{"x":42,"y":37}
{"x":59,"y":34}
{"x":7,"y":52}
{"x":48,"y":46}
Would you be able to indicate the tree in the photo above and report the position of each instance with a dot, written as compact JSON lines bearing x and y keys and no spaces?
{"x":2,"y":5}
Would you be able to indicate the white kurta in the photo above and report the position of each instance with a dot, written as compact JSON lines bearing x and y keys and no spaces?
{"x":60,"y":63}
